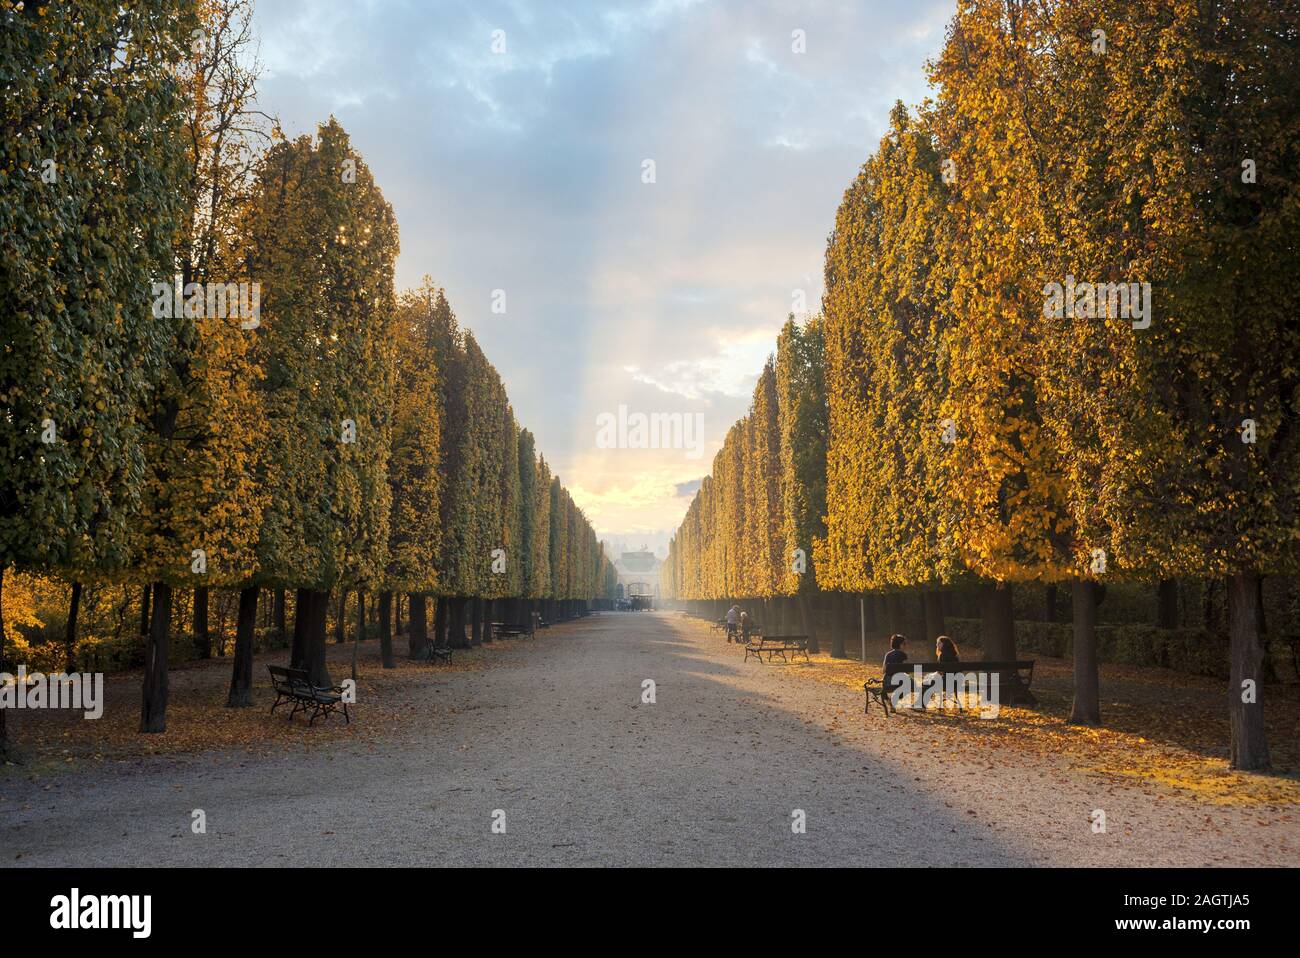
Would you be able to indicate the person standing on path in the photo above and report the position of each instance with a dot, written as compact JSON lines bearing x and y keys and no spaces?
{"x":733,"y":617}
{"x":744,"y":627}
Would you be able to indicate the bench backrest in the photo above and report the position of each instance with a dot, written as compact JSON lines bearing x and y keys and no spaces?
{"x":974,"y":665}
{"x":289,"y":680}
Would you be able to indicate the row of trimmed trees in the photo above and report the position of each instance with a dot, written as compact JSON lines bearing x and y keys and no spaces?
{"x":329,"y":435}
{"x":750,"y":529}
{"x":980,"y":437}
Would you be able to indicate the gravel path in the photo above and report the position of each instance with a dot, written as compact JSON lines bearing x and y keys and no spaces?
{"x":556,"y":737}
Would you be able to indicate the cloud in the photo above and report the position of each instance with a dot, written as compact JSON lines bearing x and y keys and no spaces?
{"x":522,"y":171}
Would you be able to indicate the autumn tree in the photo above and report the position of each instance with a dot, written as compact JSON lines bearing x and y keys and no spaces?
{"x":323,"y":243}
{"x":559,"y":546}
{"x":92,"y":111}
{"x":539,"y":497}
{"x":1005,"y":477}
{"x":202,"y":506}
{"x":414,"y":473}
{"x":802,"y":425}
{"x":1202,"y":207}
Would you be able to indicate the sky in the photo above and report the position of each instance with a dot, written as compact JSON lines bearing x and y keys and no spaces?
{"x":512,"y":140}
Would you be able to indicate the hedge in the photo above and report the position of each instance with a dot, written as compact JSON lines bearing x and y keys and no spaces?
{"x":1195,"y":651}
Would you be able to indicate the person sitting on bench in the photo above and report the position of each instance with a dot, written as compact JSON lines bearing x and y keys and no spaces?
{"x":945,"y":650}
{"x":733,"y":617}
{"x":895,"y":656}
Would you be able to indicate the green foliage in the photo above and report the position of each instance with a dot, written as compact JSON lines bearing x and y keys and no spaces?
{"x":540,"y":576}
{"x":414,"y":468}
{"x":889,"y":512}
{"x":204,"y":441}
{"x":90,"y":87}
{"x":802,"y":421}
{"x":760,"y":535}
{"x":324,"y":249}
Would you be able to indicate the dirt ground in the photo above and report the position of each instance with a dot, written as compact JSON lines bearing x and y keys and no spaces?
{"x":545,"y":752}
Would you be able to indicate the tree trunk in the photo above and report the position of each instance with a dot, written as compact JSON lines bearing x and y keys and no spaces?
{"x":998,"y":625}
{"x":934,"y":623}
{"x":457,"y":638}
{"x":1167,"y":604}
{"x":241,"y":672}
{"x":440,"y":622}
{"x":70,"y":636}
{"x":144,"y":611}
{"x":302,"y":606}
{"x":4,"y":667}
{"x":488,"y":615}
{"x":221,"y":626}
{"x":417,"y":629}
{"x":917,"y":625}
{"x":153,"y":705}
{"x":1086,"y":709}
{"x":837,"y":624}
{"x":386,"y":630}
{"x":897,"y":614}
{"x":475,"y":621}
{"x":278,"y":616}
{"x":340,"y":622}
{"x":807,"y":624}
{"x":361,"y":631}
{"x":1049,"y":597}
{"x":1211,"y":610}
{"x":1245,"y":689}
{"x":202,"y":637}
{"x":314,"y":645}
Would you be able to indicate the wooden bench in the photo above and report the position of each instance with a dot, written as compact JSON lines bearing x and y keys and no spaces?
{"x":777,"y":645}
{"x":1014,"y":679}
{"x":293,"y":685}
